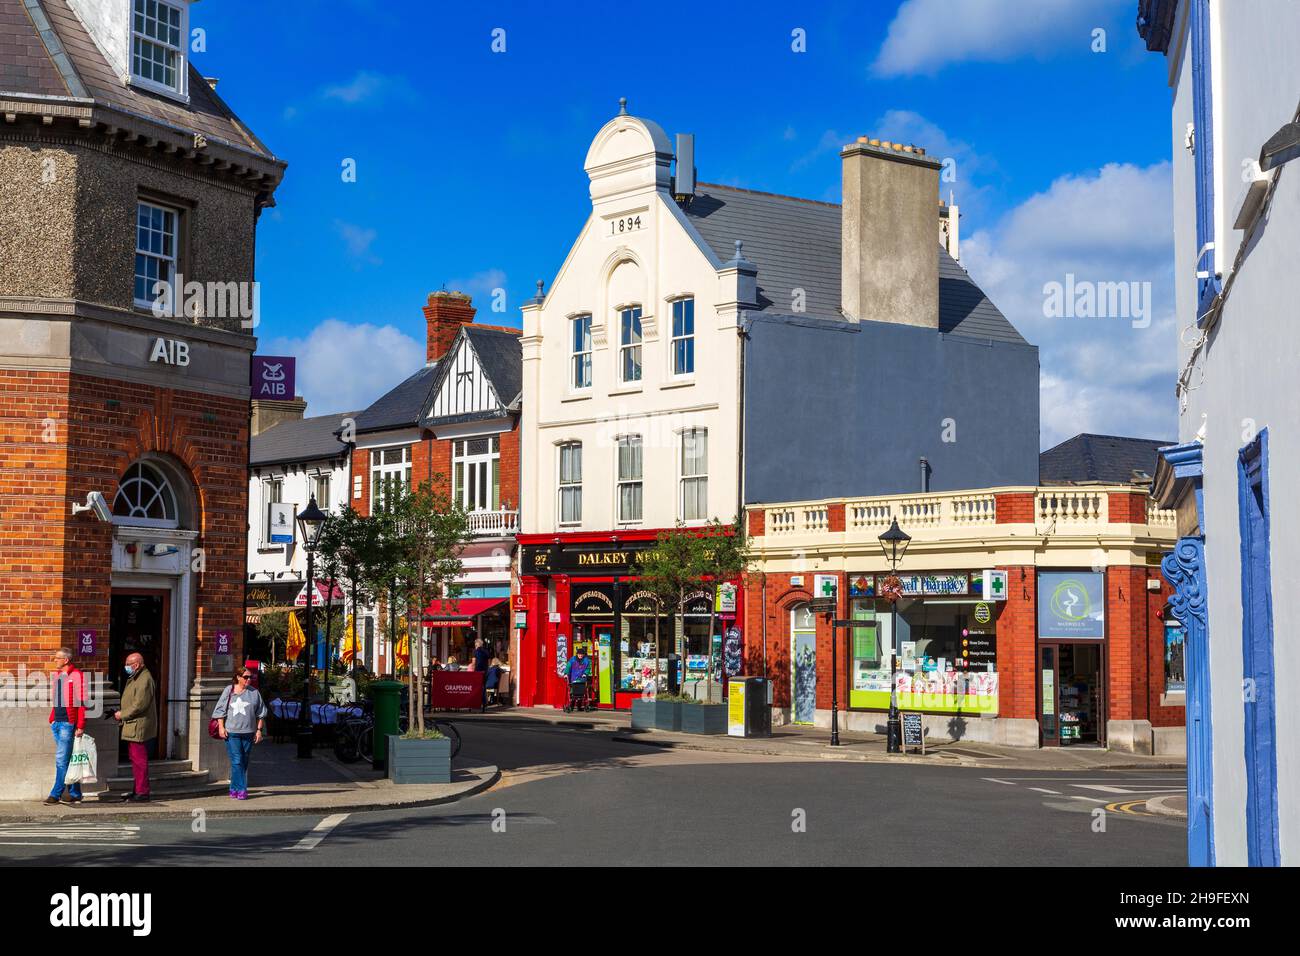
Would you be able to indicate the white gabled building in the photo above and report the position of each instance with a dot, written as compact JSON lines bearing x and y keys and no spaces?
{"x":633,"y":351}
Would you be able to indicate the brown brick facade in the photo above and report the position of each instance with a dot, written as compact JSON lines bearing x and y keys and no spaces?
{"x":63,"y":435}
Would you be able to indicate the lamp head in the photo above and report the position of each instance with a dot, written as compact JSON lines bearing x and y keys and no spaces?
{"x":310,"y":522}
{"x":894,"y":542}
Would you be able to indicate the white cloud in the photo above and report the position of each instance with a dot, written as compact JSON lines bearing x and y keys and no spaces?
{"x":1113,"y":225}
{"x":927,"y":35}
{"x":344,"y":367}
{"x":361,"y":88}
{"x":358,"y":240}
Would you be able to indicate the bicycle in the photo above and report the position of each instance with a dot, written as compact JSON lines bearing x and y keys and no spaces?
{"x":355,"y":736}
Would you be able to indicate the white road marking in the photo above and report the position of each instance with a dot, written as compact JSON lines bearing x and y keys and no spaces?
{"x":1129,"y":791}
{"x":996,"y":780}
{"x":1075,"y":796}
{"x":86,"y":832}
{"x":1055,"y":793}
{"x":319,"y":832}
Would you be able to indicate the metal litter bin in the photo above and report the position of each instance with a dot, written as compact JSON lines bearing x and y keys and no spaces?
{"x":749,"y":707}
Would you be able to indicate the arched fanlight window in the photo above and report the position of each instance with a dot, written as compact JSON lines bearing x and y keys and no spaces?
{"x":145,"y":496}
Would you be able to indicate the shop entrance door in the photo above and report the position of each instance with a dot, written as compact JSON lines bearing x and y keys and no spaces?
{"x":1072,"y":693}
{"x":138,"y":623}
{"x":803,"y":669}
{"x":604,"y":658}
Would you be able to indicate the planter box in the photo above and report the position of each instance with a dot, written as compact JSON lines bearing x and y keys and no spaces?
{"x":656,"y":715}
{"x":704,"y":718}
{"x":419,"y":761}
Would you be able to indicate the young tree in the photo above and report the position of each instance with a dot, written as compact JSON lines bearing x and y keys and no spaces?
{"x":433,"y":530}
{"x":671,"y":571}
{"x":725,"y":557}
{"x":349,"y":542}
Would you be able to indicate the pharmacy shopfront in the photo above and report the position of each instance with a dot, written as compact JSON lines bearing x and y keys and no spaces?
{"x":581,"y":591}
{"x":1014,"y":624}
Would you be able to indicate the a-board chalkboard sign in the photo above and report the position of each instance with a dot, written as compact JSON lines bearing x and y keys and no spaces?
{"x":912,"y":734}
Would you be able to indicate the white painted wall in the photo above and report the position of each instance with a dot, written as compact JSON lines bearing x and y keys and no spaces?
{"x":1247,"y":381}
{"x":278,"y":559}
{"x":605,"y":268}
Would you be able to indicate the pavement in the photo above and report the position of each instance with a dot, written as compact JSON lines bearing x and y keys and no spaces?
{"x":280,"y":783}
{"x":799,"y":741}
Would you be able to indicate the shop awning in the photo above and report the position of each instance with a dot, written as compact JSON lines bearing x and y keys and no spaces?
{"x":459,"y":613}
{"x":254,"y":615}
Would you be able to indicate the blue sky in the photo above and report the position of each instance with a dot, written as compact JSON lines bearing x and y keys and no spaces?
{"x":469,"y":161}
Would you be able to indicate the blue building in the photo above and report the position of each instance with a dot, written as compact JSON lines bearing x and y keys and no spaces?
{"x":1234,"y":72}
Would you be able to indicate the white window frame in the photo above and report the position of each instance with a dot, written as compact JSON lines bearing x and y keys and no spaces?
{"x":461,"y":459}
{"x":562,"y":486}
{"x":674,"y":338}
{"x":625,"y":347}
{"x":272,"y":493}
{"x":319,"y":481}
{"x":575,"y":353}
{"x":683,"y":478}
{"x":181,"y":90}
{"x":171,"y":260}
{"x":620,"y":481}
{"x":381,"y":472}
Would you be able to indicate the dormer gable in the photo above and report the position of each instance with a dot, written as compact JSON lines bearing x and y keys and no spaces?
{"x":146,"y":42}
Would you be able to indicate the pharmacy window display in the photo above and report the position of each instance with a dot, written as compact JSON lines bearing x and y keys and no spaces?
{"x":1071,"y":657}
{"x":946,"y":642}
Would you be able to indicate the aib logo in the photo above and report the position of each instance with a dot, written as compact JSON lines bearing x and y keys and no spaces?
{"x":273,"y":376}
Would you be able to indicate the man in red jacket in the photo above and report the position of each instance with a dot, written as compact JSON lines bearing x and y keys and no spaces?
{"x":67,"y":721}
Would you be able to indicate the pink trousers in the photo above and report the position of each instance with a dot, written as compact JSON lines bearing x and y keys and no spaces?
{"x":140,"y":767}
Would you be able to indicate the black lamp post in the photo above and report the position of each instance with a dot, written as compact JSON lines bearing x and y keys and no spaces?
{"x":310,"y":523}
{"x":894,"y":542}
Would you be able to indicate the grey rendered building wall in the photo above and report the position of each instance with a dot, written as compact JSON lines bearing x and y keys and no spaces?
{"x":837,"y":409}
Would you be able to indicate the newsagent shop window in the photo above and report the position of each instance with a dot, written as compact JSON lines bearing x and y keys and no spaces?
{"x":145,"y":497}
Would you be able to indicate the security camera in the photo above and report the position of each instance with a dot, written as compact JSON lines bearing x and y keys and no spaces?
{"x":95,"y":502}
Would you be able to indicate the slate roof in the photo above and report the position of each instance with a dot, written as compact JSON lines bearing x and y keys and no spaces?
{"x":1105,"y":458}
{"x":502,"y":359}
{"x":45,"y":50}
{"x":795,"y":243}
{"x":305,"y":439}
{"x":400,"y":407}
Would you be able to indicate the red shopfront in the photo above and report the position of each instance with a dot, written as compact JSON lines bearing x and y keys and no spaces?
{"x":580,"y":590}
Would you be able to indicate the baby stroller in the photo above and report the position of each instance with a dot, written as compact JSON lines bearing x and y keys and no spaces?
{"x":580,"y":697}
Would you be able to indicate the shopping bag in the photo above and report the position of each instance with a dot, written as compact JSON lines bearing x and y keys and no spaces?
{"x":85,"y":757}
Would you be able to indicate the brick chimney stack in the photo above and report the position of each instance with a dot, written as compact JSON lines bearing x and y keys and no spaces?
{"x":443,"y":316}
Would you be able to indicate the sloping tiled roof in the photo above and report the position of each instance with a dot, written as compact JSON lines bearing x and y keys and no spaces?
{"x":68,"y":63}
{"x":501,"y":358}
{"x":795,"y":243}
{"x":303,"y":439}
{"x":400,"y":407}
{"x":25,"y":64}
{"x":1104,"y":458}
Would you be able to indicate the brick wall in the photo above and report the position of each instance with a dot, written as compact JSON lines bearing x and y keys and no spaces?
{"x":55,"y":567}
{"x":1127,"y":507}
{"x":1015,"y":508}
{"x":1017,"y":630}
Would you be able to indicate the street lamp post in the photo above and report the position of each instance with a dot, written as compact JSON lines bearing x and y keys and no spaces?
{"x":894,"y":542}
{"x":310,"y":523}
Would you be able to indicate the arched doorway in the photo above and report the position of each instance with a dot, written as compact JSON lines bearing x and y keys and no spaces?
{"x":803,"y":664}
{"x":151,"y":611}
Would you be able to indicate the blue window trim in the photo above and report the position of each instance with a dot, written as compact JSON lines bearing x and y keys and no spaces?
{"x":1207,"y":288}
{"x":1184,"y":569}
{"x":1262,"y":839}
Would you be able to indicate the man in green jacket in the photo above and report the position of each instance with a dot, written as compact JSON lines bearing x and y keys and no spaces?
{"x":139,"y":717}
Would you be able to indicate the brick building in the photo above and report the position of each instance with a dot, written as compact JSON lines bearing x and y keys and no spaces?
{"x":129,"y":198}
{"x":453,"y":422}
{"x":1080,"y":648}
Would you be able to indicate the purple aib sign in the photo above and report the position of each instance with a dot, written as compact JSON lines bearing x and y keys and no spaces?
{"x":86,"y":638}
{"x":223,"y":642}
{"x":272,"y":376}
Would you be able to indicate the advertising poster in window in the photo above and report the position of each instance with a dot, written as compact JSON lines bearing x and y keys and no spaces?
{"x":1071,"y":605}
{"x":1175,"y":677}
{"x":280,"y":521}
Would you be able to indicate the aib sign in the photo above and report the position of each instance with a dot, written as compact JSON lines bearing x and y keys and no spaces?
{"x":86,"y":642}
{"x":223,"y":642}
{"x":272,"y":376}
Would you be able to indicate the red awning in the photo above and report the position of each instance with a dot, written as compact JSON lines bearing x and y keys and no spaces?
{"x":458,"y":613}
